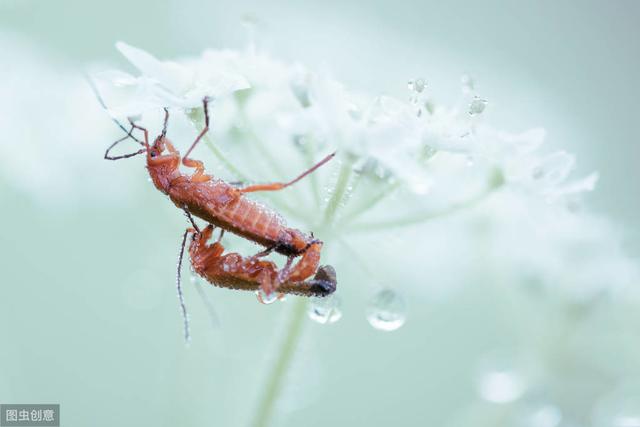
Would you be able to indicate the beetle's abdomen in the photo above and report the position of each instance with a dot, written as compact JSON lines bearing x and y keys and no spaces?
{"x":222,"y":205}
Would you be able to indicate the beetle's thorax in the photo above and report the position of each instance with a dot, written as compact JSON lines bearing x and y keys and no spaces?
{"x":163,"y":170}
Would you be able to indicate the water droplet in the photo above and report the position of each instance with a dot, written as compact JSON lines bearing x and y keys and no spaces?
{"x":325,"y":310}
{"x":417,"y":85}
{"x":354,"y":112}
{"x":265,"y":298}
{"x":194,"y":278}
{"x":554,"y":168}
{"x":300,"y":87}
{"x":427,"y":152}
{"x":499,"y":381}
{"x":477,"y":106}
{"x":620,"y":408}
{"x":250,"y":23}
{"x":386,"y":311}
{"x":418,"y":95}
{"x":419,"y":185}
{"x":468,"y":85}
{"x":542,"y":416}
{"x":500,"y":387}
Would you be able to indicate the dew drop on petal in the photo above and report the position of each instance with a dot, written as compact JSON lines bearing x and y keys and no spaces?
{"x":477,"y":106}
{"x":325,"y":310}
{"x":419,"y":85}
{"x":265,"y":298}
{"x":386,"y":311}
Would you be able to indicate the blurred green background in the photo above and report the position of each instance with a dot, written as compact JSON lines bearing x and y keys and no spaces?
{"x":87,"y":307}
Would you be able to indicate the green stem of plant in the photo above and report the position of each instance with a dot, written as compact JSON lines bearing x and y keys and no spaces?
{"x":277,"y":374}
{"x":199,"y":125}
{"x":371,"y":202}
{"x":423,"y":216}
{"x":338,"y":193}
{"x":307,"y":152}
{"x":227,"y":164}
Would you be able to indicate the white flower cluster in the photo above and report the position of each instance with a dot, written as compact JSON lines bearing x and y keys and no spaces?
{"x":422,"y":159}
{"x":477,"y":201}
{"x":290,"y":104}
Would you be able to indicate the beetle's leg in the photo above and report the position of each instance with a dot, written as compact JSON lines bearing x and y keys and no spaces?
{"x":198,"y":175}
{"x":265,"y":252}
{"x":96,"y":92}
{"x":275,"y":186}
{"x":124,"y":156}
{"x":232,"y":270}
{"x":145,"y":131}
{"x":306,"y":266}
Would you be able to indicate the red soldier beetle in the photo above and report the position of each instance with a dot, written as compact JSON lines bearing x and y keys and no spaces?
{"x":223,"y":205}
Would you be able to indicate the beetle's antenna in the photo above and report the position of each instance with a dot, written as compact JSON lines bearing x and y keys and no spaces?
{"x":183,"y":307}
{"x":193,"y":223}
{"x":104,"y":106}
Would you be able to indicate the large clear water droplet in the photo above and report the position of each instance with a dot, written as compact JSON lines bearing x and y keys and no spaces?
{"x":325,"y":310}
{"x":477,"y":106}
{"x":386,"y":311}
{"x":265,"y":298}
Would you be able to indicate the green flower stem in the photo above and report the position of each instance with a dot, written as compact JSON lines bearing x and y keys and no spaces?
{"x":495,"y":180}
{"x":310,"y":161}
{"x":227,"y":164}
{"x":338,"y":193}
{"x":277,"y":374}
{"x":199,"y":125}
{"x":371,"y":202}
{"x":264,"y":152}
{"x":423,"y":216}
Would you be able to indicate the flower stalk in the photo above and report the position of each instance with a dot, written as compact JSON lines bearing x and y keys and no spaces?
{"x":277,"y":374}
{"x":338,"y":193}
